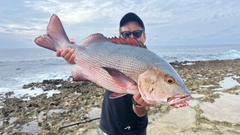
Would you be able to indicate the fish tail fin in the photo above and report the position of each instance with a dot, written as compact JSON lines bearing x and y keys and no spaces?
{"x":56,"y":37}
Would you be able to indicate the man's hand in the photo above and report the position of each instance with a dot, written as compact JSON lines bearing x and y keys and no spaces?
{"x":138,"y":99}
{"x":67,"y":54}
{"x":142,"y":108}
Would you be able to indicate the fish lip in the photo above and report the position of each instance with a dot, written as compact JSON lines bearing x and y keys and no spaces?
{"x":179,"y":100}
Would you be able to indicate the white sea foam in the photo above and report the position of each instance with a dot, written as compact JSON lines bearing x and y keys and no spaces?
{"x":17,"y":90}
{"x":27,"y":93}
{"x":195,"y":53}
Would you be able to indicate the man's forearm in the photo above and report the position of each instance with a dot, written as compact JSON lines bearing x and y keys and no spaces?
{"x":140,"y":111}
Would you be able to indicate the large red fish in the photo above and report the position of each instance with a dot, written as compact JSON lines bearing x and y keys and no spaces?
{"x":122,"y":66}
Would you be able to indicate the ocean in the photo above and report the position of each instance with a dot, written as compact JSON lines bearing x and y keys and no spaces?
{"x":23,"y":66}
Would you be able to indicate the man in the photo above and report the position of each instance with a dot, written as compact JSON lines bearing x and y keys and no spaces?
{"x":126,"y":115}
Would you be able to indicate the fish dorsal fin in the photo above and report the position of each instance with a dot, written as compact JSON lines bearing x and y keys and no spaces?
{"x":92,"y":39}
{"x":98,"y":37}
{"x":128,"y":41}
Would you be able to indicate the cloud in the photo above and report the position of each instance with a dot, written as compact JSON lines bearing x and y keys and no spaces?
{"x":167,"y":22}
{"x":71,"y":12}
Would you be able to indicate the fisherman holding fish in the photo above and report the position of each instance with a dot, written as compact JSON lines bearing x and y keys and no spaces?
{"x":126,"y":115}
{"x":134,"y":76}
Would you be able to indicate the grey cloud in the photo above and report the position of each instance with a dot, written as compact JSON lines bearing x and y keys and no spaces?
{"x":172,"y":21}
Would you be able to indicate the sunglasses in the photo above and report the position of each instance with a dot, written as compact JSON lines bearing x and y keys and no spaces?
{"x":136,"y":34}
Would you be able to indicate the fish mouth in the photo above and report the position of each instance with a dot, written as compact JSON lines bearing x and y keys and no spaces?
{"x":179,"y":101}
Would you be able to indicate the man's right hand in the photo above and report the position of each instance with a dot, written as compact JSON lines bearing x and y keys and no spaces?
{"x":67,"y":54}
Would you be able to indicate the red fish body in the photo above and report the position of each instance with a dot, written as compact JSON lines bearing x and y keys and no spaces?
{"x":122,"y":66}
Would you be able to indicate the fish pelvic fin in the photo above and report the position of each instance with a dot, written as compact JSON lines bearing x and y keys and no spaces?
{"x":121,"y":79}
{"x":129,"y":41}
{"x":78,"y":75}
{"x":56,"y":36}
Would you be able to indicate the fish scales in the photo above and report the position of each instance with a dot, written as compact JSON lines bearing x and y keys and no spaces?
{"x":127,"y":59}
{"x":120,"y":66}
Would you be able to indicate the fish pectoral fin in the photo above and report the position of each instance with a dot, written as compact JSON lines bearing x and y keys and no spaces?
{"x":78,"y":75}
{"x":121,"y":79}
{"x":116,"y":95}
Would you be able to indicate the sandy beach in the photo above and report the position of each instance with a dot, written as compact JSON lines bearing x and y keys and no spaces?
{"x":215,"y":86}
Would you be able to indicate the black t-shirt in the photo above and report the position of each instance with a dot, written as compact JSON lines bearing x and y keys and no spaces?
{"x":118,"y":117}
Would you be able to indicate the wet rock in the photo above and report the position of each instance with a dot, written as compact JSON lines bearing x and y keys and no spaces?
{"x":52,"y":81}
{"x":76,"y":99}
{"x":223,"y":109}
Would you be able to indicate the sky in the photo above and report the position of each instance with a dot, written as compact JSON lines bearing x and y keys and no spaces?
{"x":167,"y":22}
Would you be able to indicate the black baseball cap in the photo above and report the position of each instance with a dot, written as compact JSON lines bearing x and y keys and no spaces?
{"x":129,"y":17}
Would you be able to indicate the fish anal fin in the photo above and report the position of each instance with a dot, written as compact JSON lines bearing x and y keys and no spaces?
{"x":129,"y":41}
{"x":116,"y":95}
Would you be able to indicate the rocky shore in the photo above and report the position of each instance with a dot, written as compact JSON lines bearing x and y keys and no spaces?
{"x":215,"y":86}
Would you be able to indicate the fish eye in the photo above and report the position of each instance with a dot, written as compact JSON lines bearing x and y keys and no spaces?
{"x":170,"y":80}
